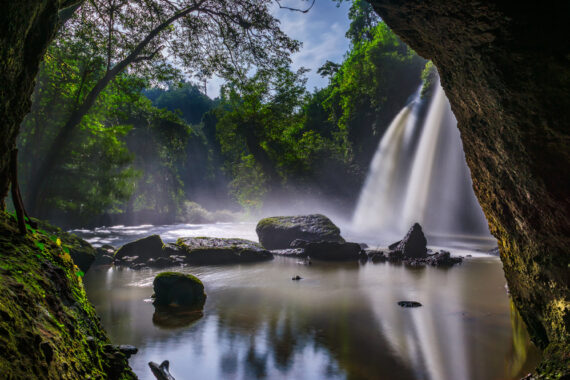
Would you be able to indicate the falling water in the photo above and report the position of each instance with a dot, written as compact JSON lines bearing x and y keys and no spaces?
{"x":419,"y":174}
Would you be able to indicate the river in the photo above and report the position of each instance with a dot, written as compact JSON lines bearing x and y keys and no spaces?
{"x":341,"y":321}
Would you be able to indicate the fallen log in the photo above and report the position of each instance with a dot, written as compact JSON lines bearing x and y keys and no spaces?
{"x":161,"y":372}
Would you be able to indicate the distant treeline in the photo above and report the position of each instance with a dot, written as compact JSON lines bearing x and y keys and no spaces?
{"x":151,"y":143}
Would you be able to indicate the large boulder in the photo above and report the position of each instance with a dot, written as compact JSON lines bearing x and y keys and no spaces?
{"x":279,"y":231}
{"x":333,"y":251}
{"x":413,"y":245}
{"x":213,"y":251}
{"x":175,"y":289}
{"x":150,"y":247}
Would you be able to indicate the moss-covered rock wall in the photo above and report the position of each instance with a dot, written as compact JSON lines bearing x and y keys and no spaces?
{"x":505,"y":67}
{"x":48,"y":328}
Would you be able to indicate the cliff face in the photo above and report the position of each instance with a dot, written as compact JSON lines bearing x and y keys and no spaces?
{"x":48,"y":328}
{"x":505,"y":67}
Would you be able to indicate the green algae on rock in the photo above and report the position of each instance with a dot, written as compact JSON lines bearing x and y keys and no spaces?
{"x":212,"y":251}
{"x":278,"y":232}
{"x":81,"y":252}
{"x":178,"y":290}
{"x":48,"y":328}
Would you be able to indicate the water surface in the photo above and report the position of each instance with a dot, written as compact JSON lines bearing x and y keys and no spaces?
{"x":341,"y":321}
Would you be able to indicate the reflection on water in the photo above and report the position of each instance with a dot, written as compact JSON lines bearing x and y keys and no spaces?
{"x":340,"y":322}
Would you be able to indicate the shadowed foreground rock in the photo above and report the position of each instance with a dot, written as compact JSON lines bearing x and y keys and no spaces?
{"x":279,"y":232}
{"x":48,"y":328}
{"x":506,"y":71}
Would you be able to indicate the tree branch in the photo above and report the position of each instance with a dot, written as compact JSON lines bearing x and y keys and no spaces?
{"x":295,"y":9}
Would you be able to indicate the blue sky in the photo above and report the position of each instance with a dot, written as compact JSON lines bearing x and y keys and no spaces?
{"x":322,"y":32}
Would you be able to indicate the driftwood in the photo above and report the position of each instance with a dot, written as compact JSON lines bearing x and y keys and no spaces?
{"x":161,"y":371}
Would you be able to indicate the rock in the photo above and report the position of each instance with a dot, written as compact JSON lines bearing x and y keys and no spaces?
{"x":290,"y":252}
{"x":280,"y":231}
{"x":394,"y":256}
{"x":409,"y":304}
{"x":298,"y":243}
{"x":296,"y":278}
{"x":175,"y":289}
{"x":394,"y":245}
{"x":127,"y":349}
{"x":363,"y":245}
{"x":214,"y":251}
{"x":145,"y":248}
{"x":104,"y":260}
{"x":161,"y":262}
{"x":162,"y":371}
{"x":378,"y":257}
{"x":413,"y":245}
{"x":514,"y":137}
{"x":443,"y":259}
{"x":494,"y":252}
{"x":333,"y":251}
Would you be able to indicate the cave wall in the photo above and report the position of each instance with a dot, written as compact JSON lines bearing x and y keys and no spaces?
{"x":505,"y":67}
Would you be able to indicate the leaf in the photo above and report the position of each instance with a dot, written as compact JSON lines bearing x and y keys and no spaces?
{"x":41,"y":246}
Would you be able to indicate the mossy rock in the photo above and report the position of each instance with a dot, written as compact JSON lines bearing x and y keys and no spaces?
{"x":150,"y":247}
{"x":217,"y":251}
{"x":173,"y":289}
{"x":278,"y":232}
{"x":82,"y":253}
{"x":48,"y":328}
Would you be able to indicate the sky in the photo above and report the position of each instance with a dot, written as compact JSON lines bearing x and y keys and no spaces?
{"x":321,"y":31}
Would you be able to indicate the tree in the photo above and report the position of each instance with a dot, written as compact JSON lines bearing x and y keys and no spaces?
{"x":370,"y":87}
{"x":150,"y":36}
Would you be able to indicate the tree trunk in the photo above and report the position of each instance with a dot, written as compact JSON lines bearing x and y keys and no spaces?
{"x":26,"y":29}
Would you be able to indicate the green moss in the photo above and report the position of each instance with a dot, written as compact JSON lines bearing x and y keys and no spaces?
{"x":45,"y":317}
{"x":178,"y":275}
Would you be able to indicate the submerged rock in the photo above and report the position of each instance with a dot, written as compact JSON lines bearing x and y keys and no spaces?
{"x":175,"y":289}
{"x":280,"y":231}
{"x":333,"y":251}
{"x":296,"y":278}
{"x":443,"y":259}
{"x":409,"y":304}
{"x":212,"y":251}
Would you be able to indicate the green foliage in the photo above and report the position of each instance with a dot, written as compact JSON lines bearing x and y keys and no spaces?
{"x":371,"y":86}
{"x":429,"y":78}
{"x":363,"y":20}
{"x":95,"y":174}
{"x":183,"y":98}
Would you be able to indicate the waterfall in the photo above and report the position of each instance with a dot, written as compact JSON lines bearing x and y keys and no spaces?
{"x":419,"y":174}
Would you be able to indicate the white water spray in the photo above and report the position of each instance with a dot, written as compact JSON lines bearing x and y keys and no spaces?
{"x":419,"y":174}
